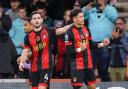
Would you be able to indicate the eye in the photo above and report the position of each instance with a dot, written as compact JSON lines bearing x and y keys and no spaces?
{"x":38,"y":18}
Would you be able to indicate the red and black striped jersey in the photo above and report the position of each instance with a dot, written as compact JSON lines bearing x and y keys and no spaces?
{"x":74,"y":38}
{"x":40,"y":44}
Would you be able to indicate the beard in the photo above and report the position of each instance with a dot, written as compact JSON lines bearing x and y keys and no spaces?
{"x":37,"y":25}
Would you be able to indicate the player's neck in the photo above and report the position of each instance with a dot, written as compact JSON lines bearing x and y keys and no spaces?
{"x":78,"y":26}
{"x":37,"y":29}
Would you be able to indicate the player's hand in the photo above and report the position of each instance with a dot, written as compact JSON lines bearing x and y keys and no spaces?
{"x":106,"y":41}
{"x":83,"y":46}
{"x":21,"y":63}
{"x":18,"y":60}
{"x":21,"y":66}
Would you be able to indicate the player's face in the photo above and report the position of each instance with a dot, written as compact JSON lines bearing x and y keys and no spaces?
{"x":37,"y":20}
{"x":79,"y":20}
{"x":27,"y":26}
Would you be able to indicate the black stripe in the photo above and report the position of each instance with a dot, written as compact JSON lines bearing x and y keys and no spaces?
{"x":39,"y":57}
{"x":51,"y":65}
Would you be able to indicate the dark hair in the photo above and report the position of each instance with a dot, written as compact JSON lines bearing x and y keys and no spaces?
{"x":108,"y":1}
{"x":65,"y":12}
{"x":35,"y":12}
{"x":21,"y":7}
{"x":74,"y":13}
{"x":122,"y":18}
{"x":84,"y":2}
{"x":40,"y":5}
{"x":14,"y":1}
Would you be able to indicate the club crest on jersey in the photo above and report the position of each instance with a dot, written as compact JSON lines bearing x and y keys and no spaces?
{"x":38,"y":38}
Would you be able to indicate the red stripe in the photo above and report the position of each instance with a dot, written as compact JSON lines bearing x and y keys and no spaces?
{"x":42,"y":84}
{"x":60,"y":46}
{"x":68,"y":43}
{"x":32,"y":42}
{"x":59,"y":63}
{"x":35,"y":87}
{"x":45,"y":53}
{"x":77,"y":84}
{"x":92,"y":82}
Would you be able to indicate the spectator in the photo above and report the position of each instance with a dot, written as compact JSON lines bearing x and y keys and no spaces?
{"x":7,"y":49}
{"x":112,"y":2}
{"x":47,"y":21}
{"x":66,"y":17}
{"x":119,"y":51}
{"x":27,"y":4}
{"x":17,"y":32}
{"x":101,"y":23}
{"x":62,"y":64}
{"x":32,"y":5}
{"x":13,"y":11}
{"x":56,"y":8}
{"x":77,"y":5}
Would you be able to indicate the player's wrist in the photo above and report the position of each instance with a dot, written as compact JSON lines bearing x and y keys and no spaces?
{"x":78,"y":50}
{"x":100,"y":45}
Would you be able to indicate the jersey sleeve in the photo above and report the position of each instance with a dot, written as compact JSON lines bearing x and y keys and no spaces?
{"x":26,"y":41}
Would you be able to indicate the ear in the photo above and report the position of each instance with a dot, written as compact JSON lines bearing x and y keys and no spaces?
{"x":74,"y":19}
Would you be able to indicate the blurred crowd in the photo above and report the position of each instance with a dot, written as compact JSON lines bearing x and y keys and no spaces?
{"x":101,"y":18}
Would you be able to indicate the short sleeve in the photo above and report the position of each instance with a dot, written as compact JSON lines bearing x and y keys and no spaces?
{"x":26,"y":41}
{"x":68,"y":37}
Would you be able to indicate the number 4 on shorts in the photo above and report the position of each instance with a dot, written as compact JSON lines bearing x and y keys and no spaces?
{"x":46,"y":76}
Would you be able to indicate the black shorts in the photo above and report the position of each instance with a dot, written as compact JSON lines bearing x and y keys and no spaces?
{"x":84,"y":75}
{"x":41,"y":77}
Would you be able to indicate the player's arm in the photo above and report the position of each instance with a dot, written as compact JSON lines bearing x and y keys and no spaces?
{"x":23,"y":58}
{"x":62,"y":30}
